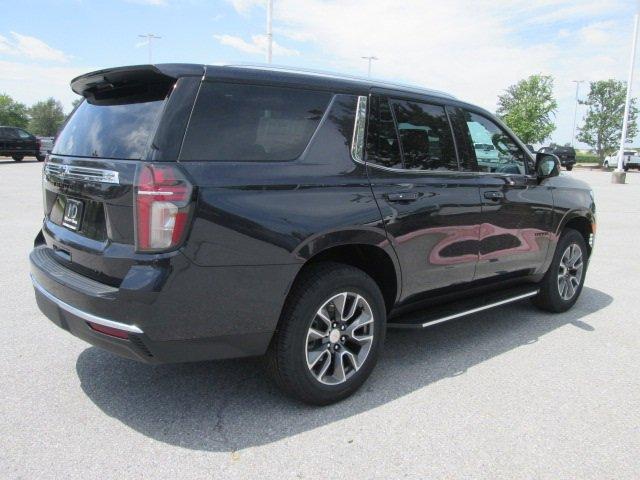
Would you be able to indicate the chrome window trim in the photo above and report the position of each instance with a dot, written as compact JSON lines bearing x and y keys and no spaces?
{"x":74,"y":172}
{"x":357,"y":141}
{"x":82,"y":314}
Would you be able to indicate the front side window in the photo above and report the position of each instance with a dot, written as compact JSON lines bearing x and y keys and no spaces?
{"x":23,"y":134}
{"x":236,"y":122}
{"x":383,"y":147}
{"x":494,"y":150}
{"x":425,"y":136}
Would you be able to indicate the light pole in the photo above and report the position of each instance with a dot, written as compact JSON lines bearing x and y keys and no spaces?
{"x":269,"y":30}
{"x":369,"y":59}
{"x":619,"y":176}
{"x":150,"y":37}
{"x":575,"y":112}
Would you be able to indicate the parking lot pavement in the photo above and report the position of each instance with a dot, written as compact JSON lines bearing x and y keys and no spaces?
{"x":508,"y":393}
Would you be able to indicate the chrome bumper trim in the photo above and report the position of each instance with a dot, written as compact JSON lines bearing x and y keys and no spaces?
{"x":82,"y":314}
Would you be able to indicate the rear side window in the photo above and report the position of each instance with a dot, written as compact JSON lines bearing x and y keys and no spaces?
{"x":425,"y":136}
{"x":113,"y":129}
{"x":234,"y":122}
{"x":383,"y":146}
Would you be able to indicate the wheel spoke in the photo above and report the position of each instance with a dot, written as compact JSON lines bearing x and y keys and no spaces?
{"x":315,"y":334}
{"x":338,"y":370}
{"x":352,"y":309}
{"x":352,"y":359}
{"x":314,"y":357}
{"x":325,"y":367}
{"x":364,"y":319}
{"x":340,"y":301}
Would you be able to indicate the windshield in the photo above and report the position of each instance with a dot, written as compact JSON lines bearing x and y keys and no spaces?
{"x":120,"y":131}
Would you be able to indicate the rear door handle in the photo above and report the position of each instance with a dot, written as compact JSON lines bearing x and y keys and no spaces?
{"x":493,"y":195}
{"x":402,"y":196}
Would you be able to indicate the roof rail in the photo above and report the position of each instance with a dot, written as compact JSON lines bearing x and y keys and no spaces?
{"x":339,"y":76}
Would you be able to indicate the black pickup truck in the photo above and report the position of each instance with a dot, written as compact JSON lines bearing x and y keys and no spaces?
{"x":18,"y":143}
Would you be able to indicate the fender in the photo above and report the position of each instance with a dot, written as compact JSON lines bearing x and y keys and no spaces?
{"x":364,"y":236}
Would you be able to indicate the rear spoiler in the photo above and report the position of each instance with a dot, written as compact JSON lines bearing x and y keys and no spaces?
{"x":94,"y":85}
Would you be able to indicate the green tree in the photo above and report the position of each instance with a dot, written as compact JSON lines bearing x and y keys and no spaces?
{"x":12,"y":113}
{"x":46,"y":117}
{"x":603,"y":122}
{"x":75,"y":103}
{"x":528,"y":108}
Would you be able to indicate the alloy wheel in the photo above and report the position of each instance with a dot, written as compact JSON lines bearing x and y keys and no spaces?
{"x":570,"y":271}
{"x":339,"y":338}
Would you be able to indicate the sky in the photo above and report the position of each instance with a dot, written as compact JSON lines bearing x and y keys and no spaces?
{"x":473,"y":49}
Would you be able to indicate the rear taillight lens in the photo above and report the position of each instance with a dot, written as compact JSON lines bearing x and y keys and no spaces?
{"x":162,"y":207}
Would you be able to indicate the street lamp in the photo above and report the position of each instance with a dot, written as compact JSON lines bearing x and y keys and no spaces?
{"x":575,"y":112}
{"x":370,"y":58}
{"x":150,"y":37}
{"x":619,"y":176}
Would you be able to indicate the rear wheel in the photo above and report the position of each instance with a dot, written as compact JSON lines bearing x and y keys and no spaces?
{"x":17,"y":158}
{"x":569,"y":168}
{"x":562,"y":284}
{"x":330,"y":335}
{"x":40,"y":158}
{"x":606,"y":164}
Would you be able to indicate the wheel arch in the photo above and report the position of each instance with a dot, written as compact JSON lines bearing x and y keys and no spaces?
{"x":366,"y":249}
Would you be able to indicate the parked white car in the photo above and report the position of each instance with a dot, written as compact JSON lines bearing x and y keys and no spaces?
{"x":631,"y":160}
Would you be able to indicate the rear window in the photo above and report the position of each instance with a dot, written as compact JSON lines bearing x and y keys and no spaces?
{"x":233,"y":122}
{"x":112,"y":129}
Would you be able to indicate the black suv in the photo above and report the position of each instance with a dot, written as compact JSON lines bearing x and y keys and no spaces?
{"x":566,"y":155}
{"x":198,"y":212}
{"x":18,"y":143}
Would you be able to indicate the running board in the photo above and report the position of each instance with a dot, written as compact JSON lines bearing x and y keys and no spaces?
{"x":461,"y":308}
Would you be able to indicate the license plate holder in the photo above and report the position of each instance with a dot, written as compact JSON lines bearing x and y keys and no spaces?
{"x":73,"y":210}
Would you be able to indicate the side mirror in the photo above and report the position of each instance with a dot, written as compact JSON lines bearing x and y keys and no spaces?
{"x":547,"y":165}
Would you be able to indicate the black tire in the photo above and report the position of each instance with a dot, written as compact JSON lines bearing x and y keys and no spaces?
{"x":569,"y":168}
{"x":626,"y":168}
{"x":605,"y":164}
{"x":40,"y":158}
{"x":549,"y":298}
{"x":287,"y":356}
{"x":17,"y":158}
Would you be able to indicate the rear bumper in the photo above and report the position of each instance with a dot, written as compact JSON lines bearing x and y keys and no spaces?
{"x":159,"y":328}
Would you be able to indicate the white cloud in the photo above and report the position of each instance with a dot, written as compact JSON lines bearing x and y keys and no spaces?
{"x":257,"y":45}
{"x":599,"y":33}
{"x":29,"y":83}
{"x":243,"y":6}
{"x":31,"y":47}
{"x":473,"y":49}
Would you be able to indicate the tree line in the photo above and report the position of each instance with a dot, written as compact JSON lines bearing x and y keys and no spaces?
{"x":528,"y":108}
{"x":43,"y":118}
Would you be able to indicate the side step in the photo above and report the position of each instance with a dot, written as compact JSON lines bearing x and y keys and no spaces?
{"x":460,"y":308}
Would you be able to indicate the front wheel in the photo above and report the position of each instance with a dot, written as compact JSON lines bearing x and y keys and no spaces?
{"x":569,"y":168}
{"x":606,"y":164}
{"x":562,"y":284}
{"x":330,"y":335}
{"x":40,"y":158}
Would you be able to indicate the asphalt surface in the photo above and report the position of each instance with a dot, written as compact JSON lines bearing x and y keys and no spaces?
{"x":509,"y":393}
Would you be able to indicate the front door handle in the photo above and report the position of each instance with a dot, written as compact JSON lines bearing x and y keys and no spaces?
{"x":494,"y":195}
{"x":402,"y":196}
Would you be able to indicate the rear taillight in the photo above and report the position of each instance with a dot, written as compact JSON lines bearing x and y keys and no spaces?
{"x":162,"y":207}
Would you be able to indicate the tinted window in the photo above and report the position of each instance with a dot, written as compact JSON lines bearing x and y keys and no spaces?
{"x":252,"y":123}
{"x":425,"y":136}
{"x":23,"y":134}
{"x":494,"y":150}
{"x":122,"y":130}
{"x":383,"y":147}
{"x":8,"y":132}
